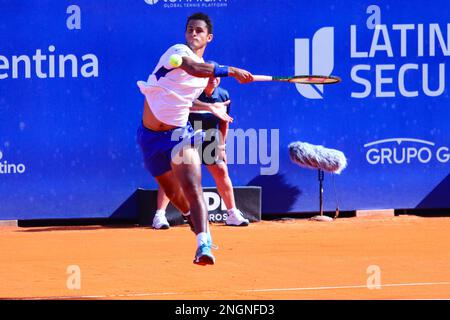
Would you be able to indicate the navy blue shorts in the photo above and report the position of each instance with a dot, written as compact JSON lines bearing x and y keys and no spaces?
{"x":157,"y":146}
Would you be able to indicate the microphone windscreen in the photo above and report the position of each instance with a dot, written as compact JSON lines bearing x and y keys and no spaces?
{"x":317,"y":157}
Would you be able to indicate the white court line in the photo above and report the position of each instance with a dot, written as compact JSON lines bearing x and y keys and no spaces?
{"x":350,"y":287}
{"x":135,"y":295}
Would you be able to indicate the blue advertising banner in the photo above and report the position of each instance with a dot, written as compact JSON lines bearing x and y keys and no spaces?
{"x":70,"y":106}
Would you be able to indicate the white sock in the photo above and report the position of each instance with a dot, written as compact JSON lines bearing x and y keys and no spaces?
{"x":161,"y":212}
{"x":202,"y":238}
{"x":232,"y":210}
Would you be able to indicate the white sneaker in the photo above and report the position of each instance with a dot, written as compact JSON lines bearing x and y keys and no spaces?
{"x":160,"y":222}
{"x":236,"y":218}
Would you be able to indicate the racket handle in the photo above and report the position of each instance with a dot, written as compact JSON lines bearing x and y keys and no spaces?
{"x":262,"y":78}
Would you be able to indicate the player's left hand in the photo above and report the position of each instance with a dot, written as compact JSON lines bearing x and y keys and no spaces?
{"x":219,"y":109}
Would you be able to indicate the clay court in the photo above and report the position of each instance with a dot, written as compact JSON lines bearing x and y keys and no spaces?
{"x":284,"y":259}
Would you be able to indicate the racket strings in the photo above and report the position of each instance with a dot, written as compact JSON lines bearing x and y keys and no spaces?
{"x":315,"y":80}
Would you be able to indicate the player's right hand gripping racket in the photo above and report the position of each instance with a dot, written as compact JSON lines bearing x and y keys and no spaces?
{"x":306,"y":79}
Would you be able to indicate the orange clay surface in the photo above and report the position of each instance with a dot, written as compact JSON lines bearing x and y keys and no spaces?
{"x":289,"y":259}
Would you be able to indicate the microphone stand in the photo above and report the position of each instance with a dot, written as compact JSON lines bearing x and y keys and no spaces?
{"x":321,"y":217}
{"x":321,"y":191}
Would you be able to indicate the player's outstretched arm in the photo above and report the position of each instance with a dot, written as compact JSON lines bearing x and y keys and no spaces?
{"x":206,"y":70}
{"x":200,"y":70}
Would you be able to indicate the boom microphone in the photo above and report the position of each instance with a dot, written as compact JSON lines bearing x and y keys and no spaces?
{"x":317,"y":157}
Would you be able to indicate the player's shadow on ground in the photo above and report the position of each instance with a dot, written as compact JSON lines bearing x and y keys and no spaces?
{"x":278,"y":196}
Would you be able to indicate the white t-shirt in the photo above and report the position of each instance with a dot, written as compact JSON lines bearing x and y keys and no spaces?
{"x":170,"y":91}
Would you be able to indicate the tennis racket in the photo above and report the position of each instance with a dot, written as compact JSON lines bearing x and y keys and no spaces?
{"x":306,"y":79}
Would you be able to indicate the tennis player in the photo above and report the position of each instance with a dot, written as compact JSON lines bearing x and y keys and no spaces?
{"x":217,"y":130}
{"x":169,"y":94}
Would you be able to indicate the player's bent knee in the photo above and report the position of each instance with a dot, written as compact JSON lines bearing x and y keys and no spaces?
{"x":193,"y":193}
